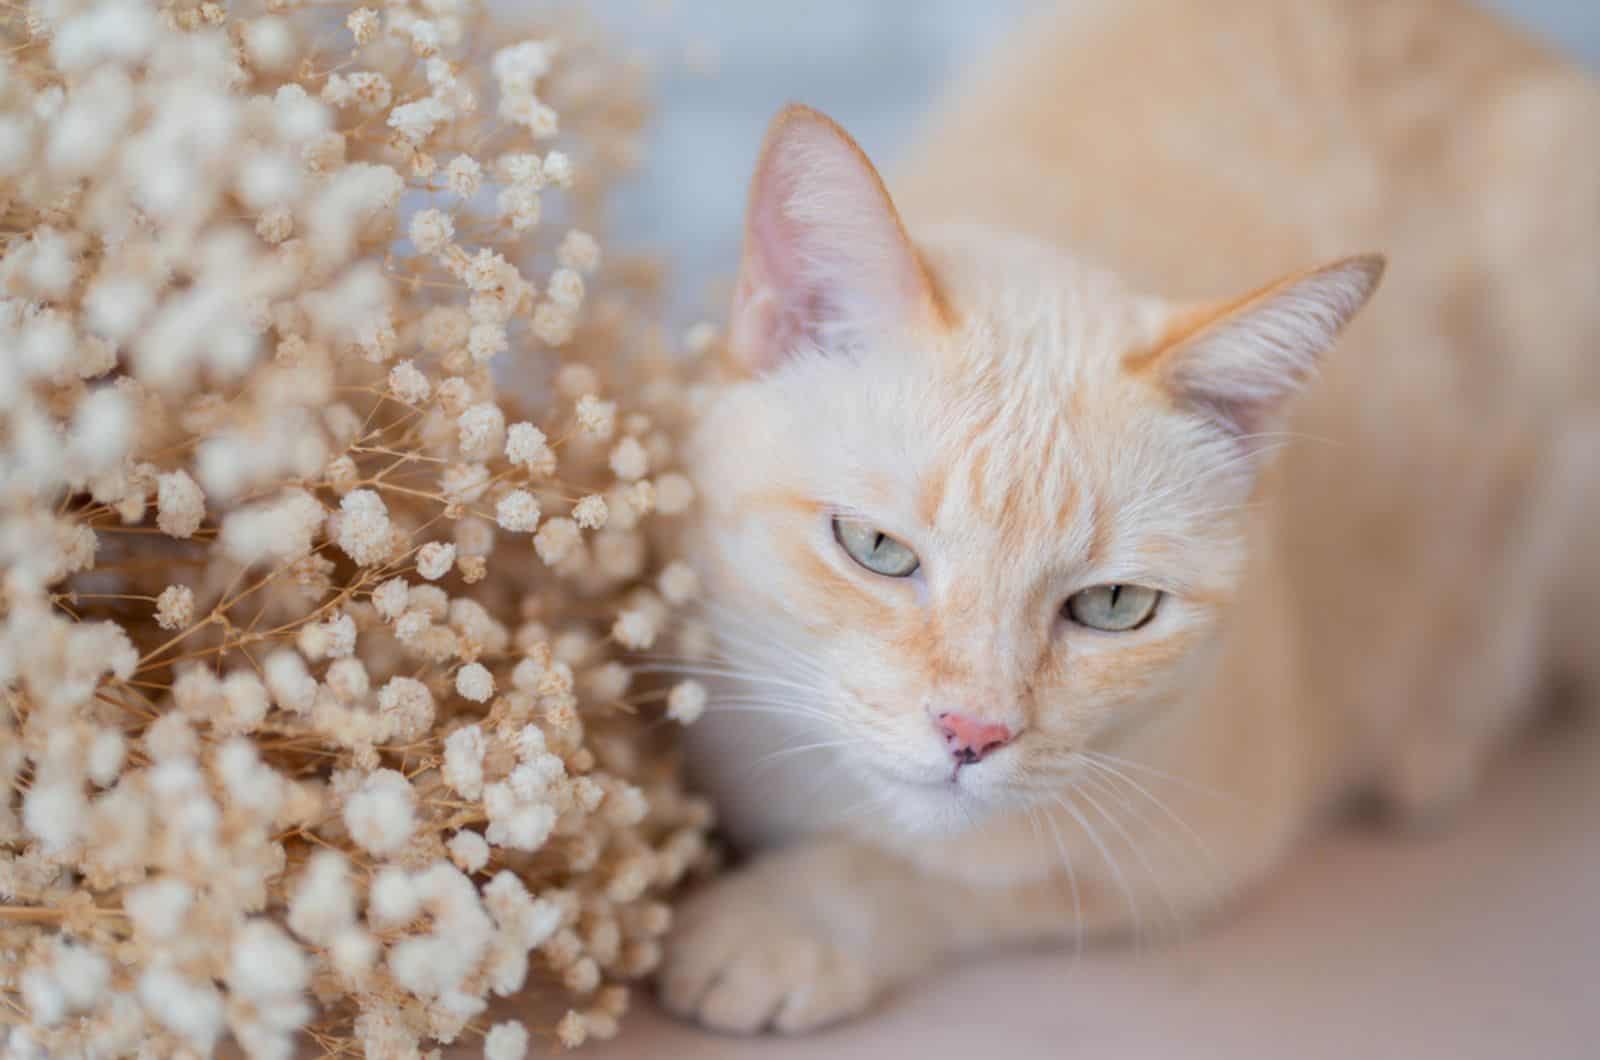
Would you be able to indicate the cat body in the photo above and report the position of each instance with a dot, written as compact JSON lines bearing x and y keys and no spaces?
{"x":1080,"y":371}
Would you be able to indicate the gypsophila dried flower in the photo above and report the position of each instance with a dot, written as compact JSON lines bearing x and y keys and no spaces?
{"x":629,"y":460}
{"x":463,"y":761}
{"x":527,"y":445}
{"x":407,"y":705}
{"x":577,"y":380}
{"x":442,"y":329}
{"x":175,"y":607}
{"x":469,"y":851}
{"x":347,"y":678}
{"x":364,"y":527}
{"x":474,"y":682}
{"x":363,"y":25}
{"x":566,"y":288}
{"x":256,"y":273}
{"x":455,"y":394}
{"x":556,"y":540}
{"x":596,"y":417}
{"x":431,"y":231}
{"x":579,"y":251}
{"x":435,"y":559}
{"x":180,"y":504}
{"x":635,"y":629}
{"x":408,"y":384}
{"x":464,"y":176}
{"x":381,"y":813}
{"x":558,"y":169}
{"x":393,"y":897}
{"x":572,"y":1030}
{"x":590,"y":512}
{"x":687,"y":702}
{"x":463,"y":483}
{"x":481,"y":430}
{"x":517,"y":511}
{"x":391,"y":598}
{"x":553,"y":323}
{"x":506,"y":1041}
{"x":674,"y":494}
{"x":678,"y":583}
{"x":486,"y":340}
{"x":107,"y":753}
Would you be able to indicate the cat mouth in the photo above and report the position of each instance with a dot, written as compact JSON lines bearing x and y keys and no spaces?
{"x":954,"y":782}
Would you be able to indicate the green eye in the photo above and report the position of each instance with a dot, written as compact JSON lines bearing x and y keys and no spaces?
{"x":1113,"y":608}
{"x":874,"y":549}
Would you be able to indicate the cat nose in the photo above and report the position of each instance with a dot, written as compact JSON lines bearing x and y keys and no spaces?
{"x":969,"y":738}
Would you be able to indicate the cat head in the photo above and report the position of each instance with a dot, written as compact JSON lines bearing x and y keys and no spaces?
{"x":973,"y":507}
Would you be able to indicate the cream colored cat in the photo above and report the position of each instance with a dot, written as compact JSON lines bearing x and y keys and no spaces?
{"x":1047,"y":609}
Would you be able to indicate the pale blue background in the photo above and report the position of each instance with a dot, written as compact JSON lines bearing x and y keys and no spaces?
{"x":872,"y":64}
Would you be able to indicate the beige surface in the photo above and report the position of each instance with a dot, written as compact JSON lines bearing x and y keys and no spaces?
{"x":1481,"y":942}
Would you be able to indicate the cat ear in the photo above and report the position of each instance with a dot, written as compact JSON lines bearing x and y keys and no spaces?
{"x":826,"y":260}
{"x":1239,"y":363}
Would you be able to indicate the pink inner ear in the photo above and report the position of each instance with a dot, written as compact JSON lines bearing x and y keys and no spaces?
{"x":1240,"y":367}
{"x":826,"y":260}
{"x":786,"y":301}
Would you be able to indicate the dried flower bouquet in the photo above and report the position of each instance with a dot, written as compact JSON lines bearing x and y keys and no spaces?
{"x":315,"y":724}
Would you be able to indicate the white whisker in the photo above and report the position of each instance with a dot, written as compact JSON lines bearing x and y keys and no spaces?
{"x":724,"y":672}
{"x":1072,"y":881}
{"x":764,"y":709}
{"x":1194,"y":786}
{"x":1137,"y":848}
{"x":1111,"y":862}
{"x":785,"y":752}
{"x":1213,"y":868}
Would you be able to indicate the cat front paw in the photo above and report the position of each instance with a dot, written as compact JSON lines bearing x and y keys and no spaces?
{"x":739,"y":961}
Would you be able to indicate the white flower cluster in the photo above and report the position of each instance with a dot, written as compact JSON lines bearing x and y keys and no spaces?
{"x":281,"y":763}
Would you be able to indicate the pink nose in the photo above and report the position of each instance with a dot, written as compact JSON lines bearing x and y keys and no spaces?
{"x":969,"y":738}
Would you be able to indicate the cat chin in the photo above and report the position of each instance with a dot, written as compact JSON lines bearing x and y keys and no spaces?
{"x":941,"y":806}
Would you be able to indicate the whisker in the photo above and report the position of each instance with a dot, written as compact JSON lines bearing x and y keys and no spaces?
{"x":665,"y":720}
{"x":1290,"y":436}
{"x":861,"y":808}
{"x":1194,"y":786}
{"x":762,"y":707}
{"x":1138,"y":853}
{"x":1176,"y":862}
{"x":758,"y":696}
{"x":1172,"y":815}
{"x":731,"y":620}
{"x":1116,"y":869}
{"x":785,"y":752}
{"x":727,"y":673}
{"x":1072,"y":881}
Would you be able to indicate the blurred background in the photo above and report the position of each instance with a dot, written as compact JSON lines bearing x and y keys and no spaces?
{"x":722,"y":67}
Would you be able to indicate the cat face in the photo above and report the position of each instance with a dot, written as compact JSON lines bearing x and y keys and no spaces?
{"x":973,"y":508}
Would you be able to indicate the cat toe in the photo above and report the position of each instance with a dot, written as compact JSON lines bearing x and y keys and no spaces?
{"x":785,"y":984}
{"x":745,"y":971}
{"x":835,"y":989}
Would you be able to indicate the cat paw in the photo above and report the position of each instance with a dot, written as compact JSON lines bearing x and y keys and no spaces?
{"x":736,"y":963}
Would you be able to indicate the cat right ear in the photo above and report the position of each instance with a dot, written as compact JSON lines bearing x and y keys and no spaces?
{"x":827,"y":264}
{"x":1238,"y":363}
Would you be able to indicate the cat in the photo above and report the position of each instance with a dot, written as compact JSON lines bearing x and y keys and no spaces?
{"x":1067,"y":565}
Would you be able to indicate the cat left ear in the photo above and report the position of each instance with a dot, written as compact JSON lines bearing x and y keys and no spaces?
{"x":1240,"y":362}
{"x":827,"y":262}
